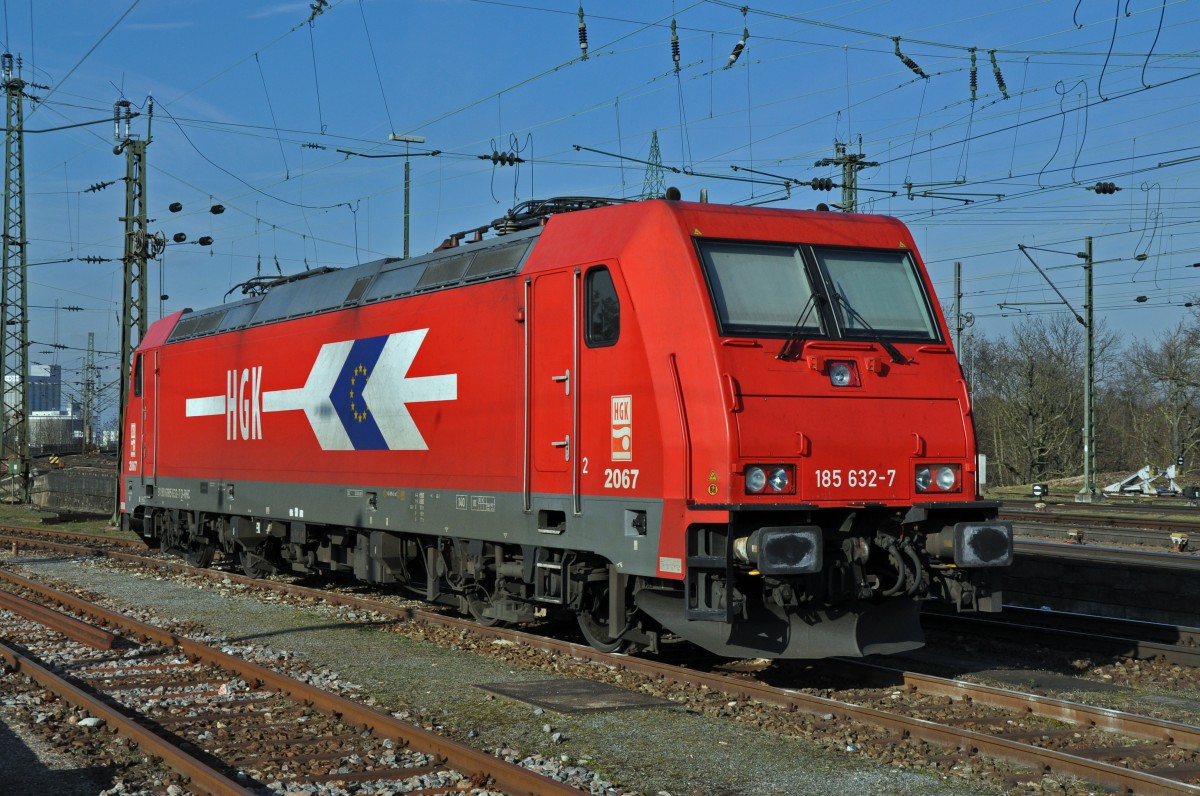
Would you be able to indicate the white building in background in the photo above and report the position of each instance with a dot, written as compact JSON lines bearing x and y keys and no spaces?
{"x":55,"y":420}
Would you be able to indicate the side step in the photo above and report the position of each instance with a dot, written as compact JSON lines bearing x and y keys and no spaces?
{"x":709,"y":574}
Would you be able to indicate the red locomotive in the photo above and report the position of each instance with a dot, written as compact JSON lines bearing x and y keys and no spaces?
{"x":742,"y":427}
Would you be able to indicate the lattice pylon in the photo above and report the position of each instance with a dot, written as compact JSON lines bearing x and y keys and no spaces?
{"x":14,"y":321}
{"x":655,"y":184}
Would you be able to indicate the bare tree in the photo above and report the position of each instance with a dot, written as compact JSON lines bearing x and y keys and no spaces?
{"x":1163,"y":378}
{"x":1028,"y":396}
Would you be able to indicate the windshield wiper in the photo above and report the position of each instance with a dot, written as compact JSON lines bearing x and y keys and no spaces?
{"x":786,"y":352}
{"x":894,"y":352}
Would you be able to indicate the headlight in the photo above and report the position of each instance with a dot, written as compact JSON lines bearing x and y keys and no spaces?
{"x":938,"y":478}
{"x":844,"y":374}
{"x":770,"y":478}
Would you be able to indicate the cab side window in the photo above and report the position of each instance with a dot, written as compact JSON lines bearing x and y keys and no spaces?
{"x":137,"y":376}
{"x":602,"y":309}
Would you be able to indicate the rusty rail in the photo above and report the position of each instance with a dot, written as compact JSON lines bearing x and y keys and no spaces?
{"x":507,"y":776}
{"x":69,"y":626}
{"x":203,"y":777}
{"x":1096,"y":771}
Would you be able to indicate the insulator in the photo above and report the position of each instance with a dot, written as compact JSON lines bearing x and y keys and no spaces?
{"x":179,"y":237}
{"x":175,"y":207}
{"x":910,"y":63}
{"x":737,"y":51}
{"x":502,"y":158}
{"x":1105,"y":187}
{"x":582,"y":33}
{"x":217,"y":210}
{"x":999,"y":77}
{"x":674,"y":46}
{"x":822,"y":183}
{"x":974,"y":75}
{"x":737,"y":48}
{"x":205,"y":240}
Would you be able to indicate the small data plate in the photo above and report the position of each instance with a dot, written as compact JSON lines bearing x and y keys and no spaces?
{"x":573,"y":696}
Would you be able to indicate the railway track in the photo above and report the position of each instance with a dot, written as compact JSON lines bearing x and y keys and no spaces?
{"x":1138,"y":640}
{"x":954,"y":718}
{"x":1129,"y":504}
{"x":227,"y":725}
{"x":1146,"y":527}
{"x":1122,"y":556}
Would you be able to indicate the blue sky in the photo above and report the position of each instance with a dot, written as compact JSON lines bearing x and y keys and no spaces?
{"x":253,"y":100}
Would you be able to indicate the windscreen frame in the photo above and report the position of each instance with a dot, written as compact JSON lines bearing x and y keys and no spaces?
{"x":826,"y":320}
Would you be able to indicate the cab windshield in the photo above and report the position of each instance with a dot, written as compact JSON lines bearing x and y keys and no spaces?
{"x":769,"y":290}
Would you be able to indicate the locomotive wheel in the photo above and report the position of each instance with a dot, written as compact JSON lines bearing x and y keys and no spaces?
{"x":199,"y":553}
{"x":594,"y":624}
{"x":254,"y":565}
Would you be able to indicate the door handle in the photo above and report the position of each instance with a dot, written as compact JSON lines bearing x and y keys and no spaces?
{"x":566,"y":446}
{"x":565,"y":379}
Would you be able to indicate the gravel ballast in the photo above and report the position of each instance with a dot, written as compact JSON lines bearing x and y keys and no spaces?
{"x":655,"y":750}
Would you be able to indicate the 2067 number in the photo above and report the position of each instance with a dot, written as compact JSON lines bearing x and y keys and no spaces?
{"x":620,"y":478}
{"x":855,"y":479}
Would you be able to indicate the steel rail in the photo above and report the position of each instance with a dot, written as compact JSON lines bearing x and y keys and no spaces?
{"x":1184,"y":735}
{"x":507,"y":776}
{"x":1112,"y":521}
{"x":1096,"y":771}
{"x":1009,"y":627}
{"x":202,"y":777}
{"x":1113,"y":555}
{"x":1104,"y":512}
{"x":96,"y":538}
{"x":69,"y":626}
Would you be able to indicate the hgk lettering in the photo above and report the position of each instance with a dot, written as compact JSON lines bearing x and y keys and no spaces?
{"x":243,"y":403}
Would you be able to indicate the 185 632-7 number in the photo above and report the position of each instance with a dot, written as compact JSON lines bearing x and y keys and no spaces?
{"x":854,"y":478}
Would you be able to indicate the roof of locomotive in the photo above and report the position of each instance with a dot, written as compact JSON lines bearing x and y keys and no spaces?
{"x":453,"y":264}
{"x":329,"y":289}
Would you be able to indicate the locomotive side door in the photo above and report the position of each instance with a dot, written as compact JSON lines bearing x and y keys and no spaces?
{"x":137,"y":456}
{"x":551,"y":481}
{"x":149,"y":419}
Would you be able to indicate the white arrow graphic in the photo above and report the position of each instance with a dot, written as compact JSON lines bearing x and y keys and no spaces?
{"x":387,"y":393}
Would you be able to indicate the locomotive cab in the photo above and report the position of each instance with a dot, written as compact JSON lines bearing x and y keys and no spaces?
{"x":852,"y":490}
